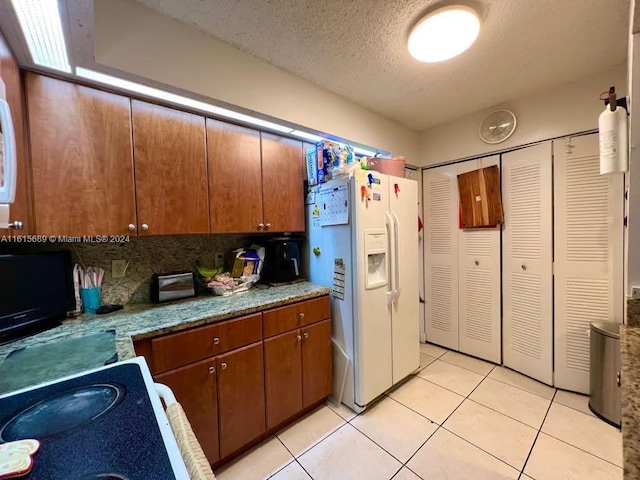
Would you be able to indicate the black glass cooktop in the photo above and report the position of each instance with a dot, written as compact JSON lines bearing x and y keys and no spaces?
{"x":98,"y":426}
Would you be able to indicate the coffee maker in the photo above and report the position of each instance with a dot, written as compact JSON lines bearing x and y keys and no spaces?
{"x":281,"y":260}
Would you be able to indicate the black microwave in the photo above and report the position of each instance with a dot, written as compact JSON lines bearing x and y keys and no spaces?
{"x":35,"y":289}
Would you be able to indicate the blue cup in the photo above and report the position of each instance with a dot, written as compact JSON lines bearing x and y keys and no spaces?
{"x":91,"y":299}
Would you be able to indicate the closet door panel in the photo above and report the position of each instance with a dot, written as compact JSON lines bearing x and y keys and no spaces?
{"x":440,"y":200}
{"x":588,"y":255}
{"x":479,"y":283}
{"x":527,"y":258}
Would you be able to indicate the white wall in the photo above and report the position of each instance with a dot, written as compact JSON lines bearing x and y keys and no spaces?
{"x":134,"y":39}
{"x":564,"y":110}
{"x":633,"y":231}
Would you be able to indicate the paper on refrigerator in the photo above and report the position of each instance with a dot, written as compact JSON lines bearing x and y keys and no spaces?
{"x":333,"y":203}
{"x":339,"y":278}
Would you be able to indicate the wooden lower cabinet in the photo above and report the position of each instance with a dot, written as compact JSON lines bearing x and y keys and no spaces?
{"x":241,"y":402}
{"x":247,"y":385}
{"x":317,"y":380}
{"x":283,"y":376}
{"x":195,"y":388}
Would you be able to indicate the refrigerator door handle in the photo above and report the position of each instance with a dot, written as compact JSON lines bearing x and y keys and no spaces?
{"x":396,"y":255}
{"x":390,"y":270}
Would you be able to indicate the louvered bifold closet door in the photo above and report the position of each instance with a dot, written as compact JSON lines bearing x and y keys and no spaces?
{"x":479,"y":283}
{"x":527,"y":257}
{"x":588,"y":254}
{"x":440,"y":200}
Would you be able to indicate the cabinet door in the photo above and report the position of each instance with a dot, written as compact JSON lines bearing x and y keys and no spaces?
{"x":317,"y":379}
{"x":235,"y":186}
{"x":283,"y":376}
{"x":440,"y":200}
{"x":589,"y":255}
{"x":282,"y":184}
{"x":10,"y":75}
{"x":479,"y":283}
{"x":171,"y":170}
{"x":195,"y":388}
{"x":527,"y":262}
{"x":240,"y":397}
{"x":82,"y":166}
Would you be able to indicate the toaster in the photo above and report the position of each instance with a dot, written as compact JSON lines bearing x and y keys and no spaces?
{"x":172,"y":286}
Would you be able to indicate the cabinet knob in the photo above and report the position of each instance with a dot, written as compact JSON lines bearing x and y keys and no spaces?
{"x":216,"y":341}
{"x":16,"y":225}
{"x":299,"y":337}
{"x":145,"y":226}
{"x":261,"y":227}
{"x":223,"y":365}
{"x":524,"y":268}
{"x":212,"y":369}
{"x":268,"y":225}
{"x":132,"y":227}
{"x":306,"y":335}
{"x":477,"y":263}
{"x":301,"y":315}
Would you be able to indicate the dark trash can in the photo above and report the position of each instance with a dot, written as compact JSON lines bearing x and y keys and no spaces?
{"x":604,"y":374}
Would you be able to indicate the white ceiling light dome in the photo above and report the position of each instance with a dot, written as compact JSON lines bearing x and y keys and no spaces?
{"x":444,"y":33}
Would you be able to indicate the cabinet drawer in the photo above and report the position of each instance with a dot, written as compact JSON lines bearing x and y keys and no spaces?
{"x":178,"y":349}
{"x":284,"y":319}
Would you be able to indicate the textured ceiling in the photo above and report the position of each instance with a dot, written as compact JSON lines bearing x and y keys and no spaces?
{"x":357,"y":48}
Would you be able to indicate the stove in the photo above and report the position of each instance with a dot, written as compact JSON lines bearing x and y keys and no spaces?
{"x":104,"y":424}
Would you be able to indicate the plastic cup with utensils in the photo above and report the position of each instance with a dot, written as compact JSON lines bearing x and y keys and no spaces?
{"x":91,"y":299}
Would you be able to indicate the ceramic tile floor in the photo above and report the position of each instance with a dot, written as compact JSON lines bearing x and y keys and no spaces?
{"x":458,"y":418}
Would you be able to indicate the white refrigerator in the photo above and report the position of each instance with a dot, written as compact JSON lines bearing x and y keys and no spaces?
{"x":363,"y":243}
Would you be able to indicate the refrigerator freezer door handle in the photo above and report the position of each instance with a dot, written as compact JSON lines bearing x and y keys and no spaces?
{"x":390,"y":270}
{"x":396,"y":256}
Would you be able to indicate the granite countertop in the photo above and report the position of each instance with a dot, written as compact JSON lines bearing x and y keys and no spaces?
{"x":143,"y":321}
{"x":630,"y":397}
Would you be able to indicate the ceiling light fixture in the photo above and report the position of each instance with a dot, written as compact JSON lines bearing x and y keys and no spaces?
{"x":444,"y":34}
{"x":365,"y":152}
{"x":178,"y":99}
{"x":42,"y":30}
{"x":190,"y":103}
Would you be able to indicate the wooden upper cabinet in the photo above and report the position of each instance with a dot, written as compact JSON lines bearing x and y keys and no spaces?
{"x":196,"y":390}
{"x":169,"y":151}
{"x":283,"y":183}
{"x":81,"y":157}
{"x":10,"y":75}
{"x":235,"y":186}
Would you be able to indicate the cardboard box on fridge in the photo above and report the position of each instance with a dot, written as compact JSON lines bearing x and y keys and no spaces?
{"x":327,"y":157}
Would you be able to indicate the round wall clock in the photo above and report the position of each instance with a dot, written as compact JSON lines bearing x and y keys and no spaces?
{"x":497,"y":126}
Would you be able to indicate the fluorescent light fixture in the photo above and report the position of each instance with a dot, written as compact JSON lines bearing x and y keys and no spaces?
{"x":42,"y":30}
{"x":444,"y":34}
{"x":178,"y":99}
{"x":365,"y":152}
{"x":307,"y":135}
{"x":201,"y":106}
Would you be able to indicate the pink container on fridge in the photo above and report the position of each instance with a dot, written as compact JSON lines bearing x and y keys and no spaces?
{"x":388,"y":166}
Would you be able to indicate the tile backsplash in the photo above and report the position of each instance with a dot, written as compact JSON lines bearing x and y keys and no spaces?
{"x":147,"y":255}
